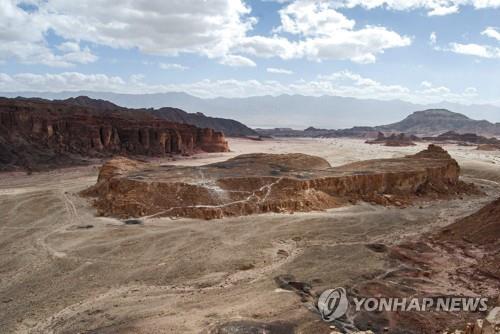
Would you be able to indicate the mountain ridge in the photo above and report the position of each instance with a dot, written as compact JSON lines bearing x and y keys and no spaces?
{"x":37,"y":134}
{"x":438,"y":121}
{"x":293,"y":111}
{"x":431,"y":122}
{"x":229,"y":127}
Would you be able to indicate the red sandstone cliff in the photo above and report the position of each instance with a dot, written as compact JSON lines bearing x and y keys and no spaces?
{"x":36,"y":133}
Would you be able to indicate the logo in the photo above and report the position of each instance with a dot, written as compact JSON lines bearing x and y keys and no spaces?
{"x":332,"y":304}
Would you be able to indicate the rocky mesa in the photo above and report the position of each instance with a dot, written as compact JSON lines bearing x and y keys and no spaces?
{"x":37,"y":133}
{"x":259,"y":183}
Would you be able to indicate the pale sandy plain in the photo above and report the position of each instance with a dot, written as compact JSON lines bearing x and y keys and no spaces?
{"x":63,"y":270}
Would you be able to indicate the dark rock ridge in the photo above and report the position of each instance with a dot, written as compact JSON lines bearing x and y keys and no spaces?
{"x":259,"y":183}
{"x":469,"y":138}
{"x":437,"y":121}
{"x":36,"y":133}
{"x":311,"y":132}
{"x":394,"y":140}
{"x":229,"y":127}
{"x":422,"y":123}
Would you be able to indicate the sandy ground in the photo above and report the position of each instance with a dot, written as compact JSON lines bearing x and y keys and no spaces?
{"x":63,"y":270}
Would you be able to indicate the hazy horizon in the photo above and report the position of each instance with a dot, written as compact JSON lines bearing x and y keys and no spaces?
{"x":332,"y":112}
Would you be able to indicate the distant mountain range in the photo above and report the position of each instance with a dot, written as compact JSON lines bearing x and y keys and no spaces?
{"x":291,"y":111}
{"x":431,"y":122}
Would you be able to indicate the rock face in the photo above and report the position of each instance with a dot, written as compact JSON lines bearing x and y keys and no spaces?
{"x":481,"y":229}
{"x":259,"y":183}
{"x":394,"y":140}
{"x":36,"y":133}
{"x":229,"y":127}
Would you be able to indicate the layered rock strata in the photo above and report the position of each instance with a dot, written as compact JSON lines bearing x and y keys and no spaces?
{"x":259,"y":183}
{"x":38,"y":132}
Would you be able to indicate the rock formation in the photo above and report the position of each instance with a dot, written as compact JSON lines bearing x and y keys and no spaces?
{"x":464,"y":138}
{"x":311,"y":132}
{"x":394,"y":140}
{"x":488,"y":147}
{"x":229,"y":127}
{"x":259,"y":183}
{"x":481,"y":230}
{"x":460,"y":259}
{"x":36,"y":133}
{"x":431,"y":122}
{"x":436,"y":121}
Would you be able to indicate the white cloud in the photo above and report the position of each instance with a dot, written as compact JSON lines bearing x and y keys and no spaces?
{"x":474,"y":49}
{"x":169,"y":66}
{"x":492,"y":32}
{"x":360,"y":46}
{"x":268,"y":47}
{"x":441,"y":11}
{"x":22,"y":38}
{"x":433,"y":38}
{"x":154,"y":27}
{"x":471,"y":92}
{"x":483,"y":51}
{"x":310,"y":18}
{"x":237,"y":61}
{"x":434,"y":7}
{"x":217,"y":29}
{"x":343,"y":83}
{"x":426,"y":84}
{"x":324,"y":33}
{"x":70,"y":81}
{"x":278,"y":71}
{"x":210,"y":28}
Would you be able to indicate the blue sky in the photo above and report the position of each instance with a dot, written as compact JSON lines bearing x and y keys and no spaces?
{"x":423,"y":51}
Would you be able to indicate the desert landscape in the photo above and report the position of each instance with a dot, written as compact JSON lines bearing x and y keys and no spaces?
{"x":249,"y":167}
{"x":67,"y":270}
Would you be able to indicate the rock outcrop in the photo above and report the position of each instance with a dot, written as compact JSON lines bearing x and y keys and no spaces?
{"x":311,"y":132}
{"x":488,"y":147}
{"x":436,"y":121}
{"x":463,"y":138}
{"x":259,"y":183}
{"x":482,"y":231}
{"x":394,"y":140}
{"x":37,"y":133}
{"x":432,"y":122}
{"x":460,"y":259}
{"x":229,"y":127}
